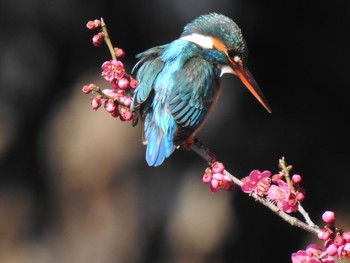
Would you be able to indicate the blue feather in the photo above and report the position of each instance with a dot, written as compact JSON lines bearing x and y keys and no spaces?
{"x":159,"y":144}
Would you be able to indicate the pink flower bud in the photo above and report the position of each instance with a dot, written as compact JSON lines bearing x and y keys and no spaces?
{"x":96,"y":103}
{"x":207,"y":176}
{"x":332,"y":250}
{"x":296,"y":179}
{"x":110,"y":105}
{"x":346,"y":236}
{"x":276,"y":177}
{"x":133,"y":83}
{"x":126,"y":100}
{"x":93,"y":24}
{"x":119,"y":52}
{"x":115,"y":113}
{"x":86,"y":89}
{"x":90,"y":25}
{"x":324,"y":234}
{"x":338,"y":240}
{"x":97,"y":39}
{"x":328,"y":217}
{"x":125,"y":113}
{"x":299,"y":196}
{"x":123,"y":83}
{"x":97,"y":22}
{"x":218,"y":167}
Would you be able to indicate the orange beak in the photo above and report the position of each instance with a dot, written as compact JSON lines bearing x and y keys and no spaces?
{"x":246,"y":77}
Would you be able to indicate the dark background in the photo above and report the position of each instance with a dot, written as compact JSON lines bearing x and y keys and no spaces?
{"x":74,"y":185}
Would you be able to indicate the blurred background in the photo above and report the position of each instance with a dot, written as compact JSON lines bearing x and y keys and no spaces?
{"x":74,"y":184}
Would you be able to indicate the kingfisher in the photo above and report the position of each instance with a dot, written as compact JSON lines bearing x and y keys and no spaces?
{"x":179,"y":82}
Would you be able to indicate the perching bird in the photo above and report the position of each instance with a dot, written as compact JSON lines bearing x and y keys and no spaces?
{"x":179,"y":82}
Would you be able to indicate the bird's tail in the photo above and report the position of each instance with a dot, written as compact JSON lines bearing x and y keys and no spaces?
{"x":159,"y":146}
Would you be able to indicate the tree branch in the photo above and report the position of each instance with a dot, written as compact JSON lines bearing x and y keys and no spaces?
{"x":309,"y":226}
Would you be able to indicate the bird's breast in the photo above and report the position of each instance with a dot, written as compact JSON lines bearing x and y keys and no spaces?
{"x":217,"y":92}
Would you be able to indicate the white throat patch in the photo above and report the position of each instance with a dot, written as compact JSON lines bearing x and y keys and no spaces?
{"x":203,"y":41}
{"x":226,"y":70}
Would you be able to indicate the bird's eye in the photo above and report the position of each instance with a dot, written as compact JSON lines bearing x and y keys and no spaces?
{"x":235,"y":57}
{"x":238,"y":60}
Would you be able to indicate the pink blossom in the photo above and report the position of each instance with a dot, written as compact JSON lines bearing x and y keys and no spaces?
{"x":302,"y":257}
{"x":312,"y":254}
{"x":113,"y":70}
{"x":338,"y":244}
{"x":256,"y":182}
{"x":220,"y":181}
{"x":282,"y":196}
{"x":215,"y":177}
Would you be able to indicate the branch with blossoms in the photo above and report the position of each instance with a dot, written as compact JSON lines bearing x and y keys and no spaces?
{"x":117,"y":99}
{"x":281,"y":193}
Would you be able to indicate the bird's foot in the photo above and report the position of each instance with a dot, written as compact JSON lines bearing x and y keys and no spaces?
{"x":200,"y":148}
{"x":188,"y":143}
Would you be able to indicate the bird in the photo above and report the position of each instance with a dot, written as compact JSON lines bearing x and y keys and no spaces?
{"x":179,"y":82}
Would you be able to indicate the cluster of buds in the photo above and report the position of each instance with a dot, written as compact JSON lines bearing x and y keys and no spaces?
{"x":215,"y":177}
{"x":336,"y":243}
{"x":99,"y":37}
{"x":279,"y":189}
{"x":118,"y":99}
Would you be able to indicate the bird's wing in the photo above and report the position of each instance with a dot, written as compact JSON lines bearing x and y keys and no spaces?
{"x":148,"y":67}
{"x":192,"y":96}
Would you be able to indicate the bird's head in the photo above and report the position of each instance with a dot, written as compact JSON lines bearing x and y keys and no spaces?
{"x":219,"y":33}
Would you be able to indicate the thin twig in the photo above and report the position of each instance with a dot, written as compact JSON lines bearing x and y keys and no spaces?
{"x":107,"y":39}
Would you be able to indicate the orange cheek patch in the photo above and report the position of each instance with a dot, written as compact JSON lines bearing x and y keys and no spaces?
{"x":217,"y":44}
